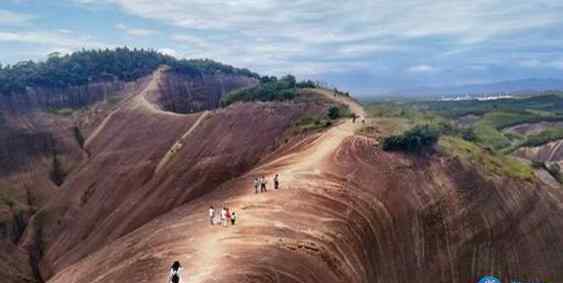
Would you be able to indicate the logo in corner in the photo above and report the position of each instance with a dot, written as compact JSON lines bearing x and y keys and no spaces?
{"x":489,"y":279}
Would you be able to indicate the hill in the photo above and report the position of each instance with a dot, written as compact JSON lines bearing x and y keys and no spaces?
{"x":111,"y":181}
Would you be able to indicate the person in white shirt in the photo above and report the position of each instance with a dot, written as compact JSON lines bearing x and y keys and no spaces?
{"x":211,"y":215}
{"x":224,"y":216}
{"x":175,"y":275}
{"x":256,"y":184}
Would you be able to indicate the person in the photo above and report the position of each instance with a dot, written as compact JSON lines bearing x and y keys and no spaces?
{"x":217,"y":218}
{"x":233,"y":217}
{"x":211,"y":215}
{"x":228,"y":217}
{"x":276,"y":181}
{"x":224,"y":216}
{"x":263,"y":182}
{"x":256,"y":184}
{"x":175,"y":274}
{"x":354,"y":116}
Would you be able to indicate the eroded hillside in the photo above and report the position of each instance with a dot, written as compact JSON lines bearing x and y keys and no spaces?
{"x":349,"y":212}
{"x":49,"y":137}
{"x":136,"y":190}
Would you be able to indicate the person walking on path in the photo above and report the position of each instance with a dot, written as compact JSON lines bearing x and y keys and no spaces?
{"x":276,"y":181}
{"x":175,"y":275}
{"x":211,"y":215}
{"x":233,"y":218}
{"x":263,"y":184}
{"x":224,"y":216}
{"x":256,"y":184}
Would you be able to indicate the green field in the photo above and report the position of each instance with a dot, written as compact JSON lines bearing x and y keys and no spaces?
{"x":473,"y":130}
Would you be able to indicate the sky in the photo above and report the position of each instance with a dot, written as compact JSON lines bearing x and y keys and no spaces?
{"x":365,"y":46}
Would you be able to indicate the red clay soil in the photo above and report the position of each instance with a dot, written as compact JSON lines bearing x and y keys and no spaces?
{"x":552,"y":151}
{"x":346,"y":212}
{"x":145,"y":162}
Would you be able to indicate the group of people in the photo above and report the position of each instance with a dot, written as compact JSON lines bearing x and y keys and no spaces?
{"x":260,"y":184}
{"x":225,"y":217}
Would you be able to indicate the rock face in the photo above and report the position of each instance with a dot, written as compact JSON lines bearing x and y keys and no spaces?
{"x":185,"y":94}
{"x":46,"y":126}
{"x":552,"y":151}
{"x":348,"y":212}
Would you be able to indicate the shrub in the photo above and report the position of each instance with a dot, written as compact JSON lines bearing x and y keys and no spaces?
{"x":469,"y":135}
{"x":414,"y":140}
{"x":333,"y":113}
{"x":269,"y":89}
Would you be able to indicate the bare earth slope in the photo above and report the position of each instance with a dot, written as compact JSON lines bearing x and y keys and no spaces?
{"x":145,"y":161}
{"x":347,"y":212}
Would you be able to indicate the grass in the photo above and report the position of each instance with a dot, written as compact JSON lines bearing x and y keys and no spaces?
{"x":495,"y":163}
{"x":546,"y":136}
{"x":61,"y":111}
{"x":310,"y":124}
{"x":490,"y":136}
{"x":114,"y":100}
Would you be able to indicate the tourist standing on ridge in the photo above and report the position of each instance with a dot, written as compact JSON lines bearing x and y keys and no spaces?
{"x":224,"y":216}
{"x":263,"y":182}
{"x":256,"y":184}
{"x":228,"y":217}
{"x":233,"y":217}
{"x":276,"y":182}
{"x":211,"y":215}
{"x":175,"y":275}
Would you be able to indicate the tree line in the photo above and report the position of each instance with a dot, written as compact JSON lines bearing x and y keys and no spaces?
{"x":88,"y":66}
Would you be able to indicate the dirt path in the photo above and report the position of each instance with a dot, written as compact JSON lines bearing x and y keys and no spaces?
{"x":216,"y":244}
{"x":137,"y":101}
{"x":178,"y":145}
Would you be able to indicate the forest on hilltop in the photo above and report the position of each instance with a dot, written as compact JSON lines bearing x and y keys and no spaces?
{"x":87,"y":66}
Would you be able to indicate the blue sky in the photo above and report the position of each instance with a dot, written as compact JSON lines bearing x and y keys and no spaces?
{"x":366,"y":46}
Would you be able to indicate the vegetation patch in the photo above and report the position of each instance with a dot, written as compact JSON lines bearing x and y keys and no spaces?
{"x":88,"y":66}
{"x":489,"y":161}
{"x":61,"y":111}
{"x":546,"y":136}
{"x":414,"y":140}
{"x":269,"y":89}
{"x":338,"y":112}
{"x":311,"y":124}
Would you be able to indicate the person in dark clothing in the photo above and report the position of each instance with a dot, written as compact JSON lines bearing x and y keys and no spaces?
{"x":276,"y":181}
{"x":233,"y":218}
{"x":175,"y":275}
{"x":263,"y":182}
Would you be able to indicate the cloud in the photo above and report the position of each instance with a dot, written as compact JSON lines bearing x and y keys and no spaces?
{"x":52,"y":40}
{"x":312,"y":31}
{"x":9,"y":18}
{"x":135,"y":31}
{"x":421,"y":69}
{"x":169,"y":51}
{"x":536,"y":63}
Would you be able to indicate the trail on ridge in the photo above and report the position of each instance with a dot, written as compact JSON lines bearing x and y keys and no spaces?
{"x":304,"y":168}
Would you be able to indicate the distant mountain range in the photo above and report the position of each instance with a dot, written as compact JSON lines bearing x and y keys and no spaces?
{"x":512,"y":87}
